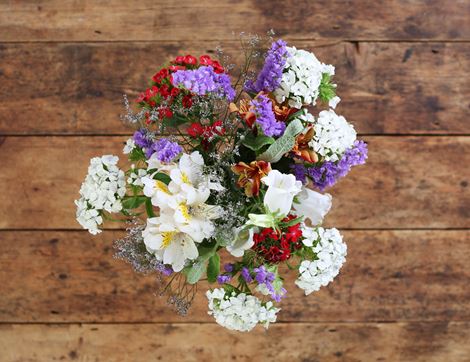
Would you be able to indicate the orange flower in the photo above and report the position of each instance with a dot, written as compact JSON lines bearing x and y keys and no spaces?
{"x":250,"y":175}
{"x":245,"y":111}
{"x":302,"y":149}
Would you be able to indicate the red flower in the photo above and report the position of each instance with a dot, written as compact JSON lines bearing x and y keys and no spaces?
{"x":165,"y":112}
{"x":179,"y":60}
{"x":195,"y":130}
{"x":276,"y":246}
{"x":187,"y":101}
{"x":208,"y":61}
{"x":190,"y":60}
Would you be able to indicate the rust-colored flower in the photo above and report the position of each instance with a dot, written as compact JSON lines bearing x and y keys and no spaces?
{"x":250,"y":175}
{"x":302,"y":149}
{"x":282,"y":112}
{"x":245,"y":111}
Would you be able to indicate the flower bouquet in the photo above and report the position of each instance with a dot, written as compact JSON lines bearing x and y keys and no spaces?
{"x":223,"y":168}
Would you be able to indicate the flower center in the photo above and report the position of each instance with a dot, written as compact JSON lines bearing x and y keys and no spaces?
{"x":167,"y":238}
{"x":160,"y":186}
{"x":185,"y":178}
{"x":185,"y":211}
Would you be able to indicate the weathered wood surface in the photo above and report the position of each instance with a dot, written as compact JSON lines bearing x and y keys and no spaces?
{"x":404,"y":176}
{"x":58,"y":276}
{"x":77,"y":88}
{"x":83,"y":20}
{"x":404,"y":342}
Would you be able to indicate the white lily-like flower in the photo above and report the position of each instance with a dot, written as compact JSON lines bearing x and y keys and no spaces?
{"x":243,"y":241}
{"x":312,"y":205}
{"x":281,"y":191}
{"x":170,"y":245}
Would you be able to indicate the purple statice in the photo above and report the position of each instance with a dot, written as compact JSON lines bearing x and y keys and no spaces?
{"x":204,"y":80}
{"x":142,"y":139}
{"x":166,"y":150}
{"x":266,"y":278}
{"x":328,"y":173}
{"x":299,"y":171}
{"x":270,"y":76}
{"x":263,"y":109}
{"x":223,"y":278}
{"x":245,"y":273}
{"x":166,"y":270}
{"x":228,"y":267}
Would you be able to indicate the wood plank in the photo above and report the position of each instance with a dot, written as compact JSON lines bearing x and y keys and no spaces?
{"x":408,"y":182}
{"x":83,"y":20}
{"x":78,"y":88}
{"x":57,"y":276}
{"x":413,"y":342}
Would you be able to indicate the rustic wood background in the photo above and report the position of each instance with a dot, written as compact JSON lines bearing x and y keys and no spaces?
{"x":403,"y":69}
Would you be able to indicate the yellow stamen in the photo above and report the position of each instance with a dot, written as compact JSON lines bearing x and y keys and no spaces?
{"x":185,"y":178}
{"x":185,"y":211}
{"x":160,"y":186}
{"x":167,"y":238}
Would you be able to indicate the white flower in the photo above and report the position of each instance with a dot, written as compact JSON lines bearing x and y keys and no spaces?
{"x":135,"y":177}
{"x":312,"y":205}
{"x":169,"y":245}
{"x":331,"y":253}
{"x":301,"y":78}
{"x":185,"y":218}
{"x":334,"y":102}
{"x":89,"y":218}
{"x":103,"y":189}
{"x":129,"y":146}
{"x":333,"y":135}
{"x":243,"y":240}
{"x":281,"y":191}
{"x":240,"y":312}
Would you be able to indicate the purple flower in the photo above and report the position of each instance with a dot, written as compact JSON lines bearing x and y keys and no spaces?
{"x":267,"y":278}
{"x":142,"y":138}
{"x":246,"y":274}
{"x":299,"y":171}
{"x":166,"y":150}
{"x":205,"y":80}
{"x":228,"y":268}
{"x":164,"y":269}
{"x":270,"y":76}
{"x":263,"y":110}
{"x":327,"y":174}
{"x":223,"y":278}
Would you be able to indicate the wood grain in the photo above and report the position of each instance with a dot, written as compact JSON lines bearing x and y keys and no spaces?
{"x":390,"y":88}
{"x":403,"y":177}
{"x":69,"y":20}
{"x":57,"y":276}
{"x":405,"y":342}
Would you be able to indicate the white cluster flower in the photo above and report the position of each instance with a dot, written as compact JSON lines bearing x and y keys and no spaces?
{"x":301,"y":78}
{"x":129,"y":146}
{"x":136,"y":176}
{"x":331,"y":252}
{"x":333,"y":135}
{"x":103,"y":188}
{"x":185,"y":219}
{"x":240,"y":312}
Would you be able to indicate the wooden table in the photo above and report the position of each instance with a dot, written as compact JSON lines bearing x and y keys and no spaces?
{"x":403,"y":72}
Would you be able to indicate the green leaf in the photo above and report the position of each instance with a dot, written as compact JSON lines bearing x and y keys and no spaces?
{"x":213,"y":268}
{"x":291,"y":222}
{"x":149,"y":207}
{"x":163,"y":177}
{"x":175,"y":121}
{"x":256,"y":142}
{"x":194,"y":273}
{"x":133,"y":202}
{"x":283,"y":144}
{"x":327,"y":89}
{"x":137,"y":154}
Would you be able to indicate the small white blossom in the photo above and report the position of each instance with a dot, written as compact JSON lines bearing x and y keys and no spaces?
{"x":129,"y":146}
{"x":301,"y":78}
{"x":135,"y":177}
{"x":330,"y":251}
{"x":103,"y":189}
{"x":240,"y":312}
{"x":334,"y":102}
{"x":333,"y":135}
